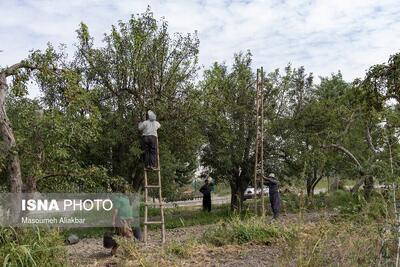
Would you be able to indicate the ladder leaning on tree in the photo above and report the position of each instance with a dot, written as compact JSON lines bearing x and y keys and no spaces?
{"x":147,"y":203}
{"x":259,"y":149}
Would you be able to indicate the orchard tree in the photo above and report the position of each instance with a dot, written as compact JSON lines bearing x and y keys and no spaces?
{"x":90,"y":107}
{"x":229,"y":124}
{"x":289,"y":147}
{"x":44,"y":64}
{"x":142,"y":66}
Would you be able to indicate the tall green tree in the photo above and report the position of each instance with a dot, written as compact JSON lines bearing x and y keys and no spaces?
{"x":38,"y":64}
{"x":229,"y":124}
{"x":142,"y":66}
{"x":91,"y":105}
{"x":288,"y":95}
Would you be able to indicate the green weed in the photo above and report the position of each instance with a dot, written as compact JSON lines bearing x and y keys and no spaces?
{"x":254,"y":229}
{"x":130,"y":253}
{"x":180,"y":250}
{"x":31,"y":247}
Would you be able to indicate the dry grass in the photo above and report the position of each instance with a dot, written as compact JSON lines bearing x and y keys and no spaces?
{"x":334,"y":244}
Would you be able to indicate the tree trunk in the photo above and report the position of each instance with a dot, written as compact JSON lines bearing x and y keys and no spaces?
{"x":316,"y":180}
{"x":237,"y":194}
{"x":235,"y":197}
{"x":359,"y":183}
{"x":310,"y":192}
{"x":368,"y":186}
{"x":335,"y":184}
{"x":7,"y":134}
{"x":30,"y":185}
{"x":312,"y":182}
{"x":368,"y":182}
{"x":329,"y":184}
{"x":238,"y":185}
{"x":315,"y":183}
{"x":309,"y":184}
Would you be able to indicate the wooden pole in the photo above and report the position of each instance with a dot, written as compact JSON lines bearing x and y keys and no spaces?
{"x":256,"y":148}
{"x":145,"y":206}
{"x":160,"y":195}
{"x":397,"y":220}
{"x":262,"y":139}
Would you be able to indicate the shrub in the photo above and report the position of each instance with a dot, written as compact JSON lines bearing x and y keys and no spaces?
{"x":290,"y":202}
{"x":180,"y":250}
{"x":340,"y":201}
{"x":92,"y":179}
{"x":31,"y":247}
{"x":237,"y":231}
{"x":131,"y":255}
{"x":377,"y":207}
{"x":343,"y":243}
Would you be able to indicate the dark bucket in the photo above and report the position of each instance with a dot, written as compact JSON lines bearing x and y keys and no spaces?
{"x":108,"y":240}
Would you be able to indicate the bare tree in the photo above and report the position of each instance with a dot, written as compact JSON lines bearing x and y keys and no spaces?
{"x":6,"y":131}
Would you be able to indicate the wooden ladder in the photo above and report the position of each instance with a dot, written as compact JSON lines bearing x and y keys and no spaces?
{"x":147,"y":203}
{"x":259,"y":146}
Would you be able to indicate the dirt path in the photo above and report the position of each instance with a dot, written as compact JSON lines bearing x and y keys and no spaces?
{"x":90,"y":251}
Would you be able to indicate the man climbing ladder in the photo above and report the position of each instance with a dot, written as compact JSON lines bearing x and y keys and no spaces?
{"x":149,"y":139}
{"x":151,"y":163}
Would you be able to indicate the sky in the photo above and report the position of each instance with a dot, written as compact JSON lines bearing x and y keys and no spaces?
{"x":324,"y":36}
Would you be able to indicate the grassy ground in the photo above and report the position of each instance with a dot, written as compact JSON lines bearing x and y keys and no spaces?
{"x":323,"y":184}
{"x":174,"y":218}
{"x":31,"y":247}
{"x":336,"y":229}
{"x":333,"y":229}
{"x":188,"y":216}
{"x":222,"y":189}
{"x":323,"y":238}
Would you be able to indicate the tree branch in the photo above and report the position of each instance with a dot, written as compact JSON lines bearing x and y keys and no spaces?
{"x":351,"y":119}
{"x":369,"y":141}
{"x":347,"y":152}
{"x":25,"y":64}
{"x":22,"y":64}
{"x":359,"y":183}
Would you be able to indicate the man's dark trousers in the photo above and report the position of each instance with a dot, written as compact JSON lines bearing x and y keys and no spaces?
{"x":150,"y":150}
{"x":274,"y":198}
{"x":207,"y":202}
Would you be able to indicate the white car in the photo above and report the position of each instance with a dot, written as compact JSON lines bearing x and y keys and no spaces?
{"x":249,"y":192}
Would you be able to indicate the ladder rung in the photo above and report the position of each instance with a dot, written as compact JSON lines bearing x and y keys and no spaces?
{"x":152,"y":186}
{"x":153,"y":204}
{"x":154,"y":222}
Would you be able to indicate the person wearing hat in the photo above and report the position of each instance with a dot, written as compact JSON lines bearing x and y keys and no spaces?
{"x":149,"y":143}
{"x":273,"y":185}
{"x":206,"y":190}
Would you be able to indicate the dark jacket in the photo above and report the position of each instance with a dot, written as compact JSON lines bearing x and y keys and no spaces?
{"x":272,"y":184}
{"x":206,"y":190}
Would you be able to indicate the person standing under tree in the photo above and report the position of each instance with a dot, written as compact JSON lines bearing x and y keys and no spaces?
{"x":149,"y":141}
{"x":274,"y":197}
{"x":206,"y":191}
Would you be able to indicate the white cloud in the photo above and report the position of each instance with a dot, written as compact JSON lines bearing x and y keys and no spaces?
{"x":322,"y":35}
